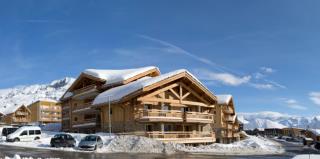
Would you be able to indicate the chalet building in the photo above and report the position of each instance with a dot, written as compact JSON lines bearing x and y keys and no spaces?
{"x":45,"y":111}
{"x":273,"y":132}
{"x":172,"y":107}
{"x":19,"y":115}
{"x":292,"y":132}
{"x":226,"y":123}
{"x":313,"y":133}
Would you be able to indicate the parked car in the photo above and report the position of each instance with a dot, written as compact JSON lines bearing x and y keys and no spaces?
{"x":317,"y":145}
{"x":8,"y":130}
{"x":91,"y":143}
{"x":62,"y":140}
{"x":25,"y":133}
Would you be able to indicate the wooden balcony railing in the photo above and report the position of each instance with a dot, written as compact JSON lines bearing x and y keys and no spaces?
{"x":20,"y":120}
{"x":160,"y":113}
{"x":177,"y":134}
{"x":22,"y":113}
{"x":205,"y":117}
{"x":85,"y":89}
{"x":228,"y":118}
{"x":228,"y":111}
{"x":174,"y":115}
{"x":82,"y":106}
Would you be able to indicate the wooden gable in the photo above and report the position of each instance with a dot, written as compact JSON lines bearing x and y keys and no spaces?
{"x":178,"y":90}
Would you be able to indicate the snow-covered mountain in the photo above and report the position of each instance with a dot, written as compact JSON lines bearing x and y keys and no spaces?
{"x":268,"y":119}
{"x":13,"y":97}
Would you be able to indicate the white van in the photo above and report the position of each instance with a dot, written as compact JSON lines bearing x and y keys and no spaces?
{"x":25,"y":133}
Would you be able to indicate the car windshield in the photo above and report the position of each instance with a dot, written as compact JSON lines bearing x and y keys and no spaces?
{"x":58,"y":136}
{"x":90,"y":138}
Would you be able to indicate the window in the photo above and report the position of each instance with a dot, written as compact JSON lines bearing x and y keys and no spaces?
{"x":167,"y":128}
{"x":38,"y":132}
{"x":24,"y":133}
{"x":75,"y":119}
{"x":89,"y":116}
{"x":148,"y":127}
{"x":31,"y":132}
{"x":165,"y":107}
{"x":147,"y":106}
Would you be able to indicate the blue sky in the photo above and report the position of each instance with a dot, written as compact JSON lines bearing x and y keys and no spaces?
{"x":265,"y":53}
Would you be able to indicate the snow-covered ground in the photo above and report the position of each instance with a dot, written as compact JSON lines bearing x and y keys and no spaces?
{"x":135,"y":144}
{"x":306,"y":156}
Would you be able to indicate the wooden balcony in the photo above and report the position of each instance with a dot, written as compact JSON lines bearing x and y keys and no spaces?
{"x":182,"y":137}
{"x":85,"y":92}
{"x":160,"y":115}
{"x":227,"y":134}
{"x":83,"y":108}
{"x":53,"y":109}
{"x":228,"y":119}
{"x":20,"y":120}
{"x":198,"y":117}
{"x":20,"y":113}
{"x":228,"y":111}
{"x":86,"y":123}
{"x":85,"y":89}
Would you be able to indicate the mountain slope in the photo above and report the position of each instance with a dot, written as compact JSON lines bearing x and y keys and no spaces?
{"x":269,"y":119}
{"x":13,"y":97}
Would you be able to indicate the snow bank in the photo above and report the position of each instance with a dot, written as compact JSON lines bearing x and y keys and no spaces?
{"x":251,"y":145}
{"x":312,"y":156}
{"x":136,"y":144}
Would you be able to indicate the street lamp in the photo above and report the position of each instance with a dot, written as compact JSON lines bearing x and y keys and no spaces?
{"x":109,"y":103}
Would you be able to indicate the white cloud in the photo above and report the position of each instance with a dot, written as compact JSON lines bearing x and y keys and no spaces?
{"x":263,"y":86}
{"x":223,"y":75}
{"x":267,"y":69}
{"x":293,"y":104}
{"x":315,"y":97}
{"x":224,"y":78}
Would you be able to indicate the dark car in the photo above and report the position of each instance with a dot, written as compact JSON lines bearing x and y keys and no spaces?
{"x":317,"y":145}
{"x":8,"y":131}
{"x":62,"y":140}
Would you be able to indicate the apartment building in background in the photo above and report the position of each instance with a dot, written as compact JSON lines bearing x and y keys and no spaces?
{"x":45,"y":111}
{"x":18,"y":115}
{"x":226,"y":123}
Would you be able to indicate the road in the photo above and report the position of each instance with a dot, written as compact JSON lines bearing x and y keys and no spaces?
{"x":292,"y":150}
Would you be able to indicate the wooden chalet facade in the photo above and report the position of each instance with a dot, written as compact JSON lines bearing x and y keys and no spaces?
{"x":19,"y":116}
{"x":173,"y":107}
{"x":45,"y":111}
{"x":226,"y":124}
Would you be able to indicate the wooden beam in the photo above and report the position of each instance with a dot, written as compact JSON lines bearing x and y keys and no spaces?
{"x":161,"y":90}
{"x":186,"y":95}
{"x":172,"y":101}
{"x":175,"y":93}
{"x":194,"y":93}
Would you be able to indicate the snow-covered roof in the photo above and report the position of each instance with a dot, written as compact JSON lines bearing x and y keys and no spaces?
{"x":9,"y":110}
{"x":315,"y":131}
{"x":48,"y":100}
{"x":224,"y":98}
{"x":115,"y":94}
{"x":117,"y":76}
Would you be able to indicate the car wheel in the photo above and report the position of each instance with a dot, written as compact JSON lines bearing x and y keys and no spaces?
{"x":16,"y":140}
{"x":95,"y":147}
{"x":36,"y":138}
